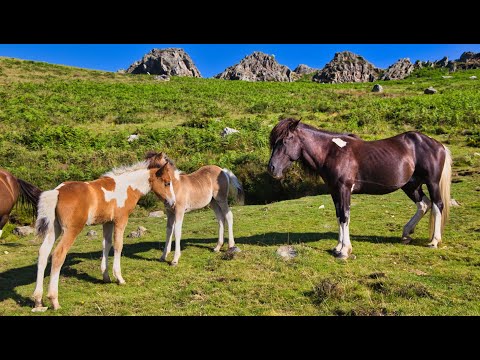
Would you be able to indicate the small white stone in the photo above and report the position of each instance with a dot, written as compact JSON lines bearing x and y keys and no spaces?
{"x":6,"y":252}
{"x":321,"y":207}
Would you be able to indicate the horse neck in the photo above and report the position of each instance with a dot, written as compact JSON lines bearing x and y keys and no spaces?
{"x":314,"y":148}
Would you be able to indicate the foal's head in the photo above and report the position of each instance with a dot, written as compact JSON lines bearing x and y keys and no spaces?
{"x":156,"y":160}
{"x":162,"y":184}
{"x":285,"y":145}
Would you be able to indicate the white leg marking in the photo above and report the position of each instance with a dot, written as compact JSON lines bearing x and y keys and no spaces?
{"x":107,"y":245}
{"x":422,"y":207}
{"x":229,"y":218}
{"x":1,"y":232}
{"x":340,"y":238}
{"x":178,"y":235}
{"x":437,"y":233}
{"x":42,"y":263}
{"x":168,"y":238}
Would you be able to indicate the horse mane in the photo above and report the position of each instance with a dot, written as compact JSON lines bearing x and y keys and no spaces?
{"x":154,"y":159}
{"x":142,"y":165}
{"x":282,"y":129}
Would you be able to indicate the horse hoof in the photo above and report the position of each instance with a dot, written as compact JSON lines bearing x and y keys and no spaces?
{"x":234,"y":249}
{"x":40,"y":309}
{"x":335,"y":252}
{"x":121,"y":282}
{"x":162,"y":259}
{"x":107,"y":280}
{"x":216,"y":250}
{"x":406,"y":240}
{"x":174,"y":263}
{"x":432,"y":246}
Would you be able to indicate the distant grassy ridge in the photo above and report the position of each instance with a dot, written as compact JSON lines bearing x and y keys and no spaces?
{"x":60,"y":123}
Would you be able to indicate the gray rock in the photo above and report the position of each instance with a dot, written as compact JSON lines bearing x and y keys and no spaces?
{"x":156,"y":214}
{"x":133,"y":137}
{"x":442,"y":62}
{"x":454,"y":203}
{"x":447,"y":76}
{"x":228,"y":131}
{"x":430,"y":90}
{"x":287,"y":252}
{"x":121,"y":71}
{"x":303,"y":69}
{"x":452,"y":66}
{"x":473,"y":77}
{"x":347,"y":67}
{"x":23,"y":230}
{"x":91,"y":233}
{"x":257,"y":67}
{"x":468,"y":55}
{"x":162,"y":77}
{"x":398,"y":71}
{"x":172,"y":62}
{"x":138,"y":233}
{"x":142,"y":229}
{"x":377,"y":88}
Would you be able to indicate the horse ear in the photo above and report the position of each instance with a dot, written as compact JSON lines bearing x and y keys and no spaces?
{"x":293,"y":125}
{"x":160,"y":171}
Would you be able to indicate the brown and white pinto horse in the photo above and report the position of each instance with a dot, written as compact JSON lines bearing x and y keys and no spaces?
{"x":349,"y":165}
{"x":209,"y":185}
{"x":74,"y":204}
{"x":10,"y":189}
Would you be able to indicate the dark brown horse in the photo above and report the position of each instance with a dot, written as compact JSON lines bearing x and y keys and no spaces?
{"x":347,"y":165}
{"x":10,"y":189}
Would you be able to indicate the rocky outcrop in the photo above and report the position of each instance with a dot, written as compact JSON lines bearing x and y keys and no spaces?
{"x":398,"y":71}
{"x":347,"y":67}
{"x":468,"y":60}
{"x":172,"y":62}
{"x":303,"y":69}
{"x":257,"y":67}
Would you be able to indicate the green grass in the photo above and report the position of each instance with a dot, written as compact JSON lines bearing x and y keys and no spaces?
{"x":60,"y":123}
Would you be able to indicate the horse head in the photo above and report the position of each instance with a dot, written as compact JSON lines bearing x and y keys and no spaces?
{"x":162,"y":184}
{"x":285,"y":145}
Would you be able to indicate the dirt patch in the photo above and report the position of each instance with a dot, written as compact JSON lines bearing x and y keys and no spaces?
{"x":328,"y":289}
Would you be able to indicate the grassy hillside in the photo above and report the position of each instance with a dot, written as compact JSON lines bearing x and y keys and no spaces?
{"x":60,"y":123}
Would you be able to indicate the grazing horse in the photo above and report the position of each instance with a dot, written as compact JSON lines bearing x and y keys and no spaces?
{"x":349,"y":165}
{"x":108,"y":200}
{"x":10,"y":189}
{"x":209,"y":185}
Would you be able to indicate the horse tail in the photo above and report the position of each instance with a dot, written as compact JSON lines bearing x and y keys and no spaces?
{"x":46,"y":212}
{"x":240,"y":196}
{"x":29,"y":194}
{"x":445,"y":182}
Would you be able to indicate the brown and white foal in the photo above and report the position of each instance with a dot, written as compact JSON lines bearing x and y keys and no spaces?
{"x":209,"y":185}
{"x":74,"y":204}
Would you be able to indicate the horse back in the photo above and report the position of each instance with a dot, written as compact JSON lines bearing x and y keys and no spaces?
{"x":9,"y":191}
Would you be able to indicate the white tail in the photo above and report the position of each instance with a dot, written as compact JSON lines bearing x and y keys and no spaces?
{"x":445,"y":182}
{"x":46,"y":212}
{"x":236,"y":183}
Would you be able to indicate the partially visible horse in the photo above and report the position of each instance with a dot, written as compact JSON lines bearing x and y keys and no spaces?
{"x":347,"y":164}
{"x":108,"y":200}
{"x":10,"y":189}
{"x":209,"y":185}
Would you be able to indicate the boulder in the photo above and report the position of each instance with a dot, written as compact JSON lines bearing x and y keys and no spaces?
{"x":133,"y":137}
{"x":162,"y":77}
{"x":91,"y":233}
{"x":303,"y":69}
{"x":442,"y":62}
{"x":473,"y":77}
{"x":377,"y":88}
{"x":398,"y":71}
{"x":171,"y":61}
{"x":257,"y":67}
{"x":430,"y":90}
{"x":156,"y":214}
{"x":228,"y":131}
{"x":23,"y":230}
{"x":347,"y":67}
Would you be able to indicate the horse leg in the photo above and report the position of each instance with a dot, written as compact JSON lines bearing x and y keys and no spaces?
{"x":342,"y":208}
{"x":436,"y":216}
{"x":3,"y":221}
{"x":179,"y":213}
{"x":117,"y":249}
{"x":58,"y":258}
{"x":414,"y":191}
{"x":221,"y":220}
{"x":107,"y":245}
{"x":168,"y":238}
{"x":43,"y":253}
{"x":227,"y":213}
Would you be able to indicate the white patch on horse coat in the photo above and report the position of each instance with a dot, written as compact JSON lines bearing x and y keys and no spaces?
{"x":1,"y":232}
{"x":339,"y":142}
{"x":353,"y":185}
{"x":46,"y":207}
{"x":137,"y":180}
{"x":437,"y":216}
{"x":59,"y":186}
{"x":177,"y":173}
{"x":173,"y":199}
{"x":90,"y":218}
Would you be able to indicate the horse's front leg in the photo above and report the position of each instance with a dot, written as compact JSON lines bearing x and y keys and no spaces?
{"x":341,"y":198}
{"x":119,"y":229}
{"x":179,"y":213}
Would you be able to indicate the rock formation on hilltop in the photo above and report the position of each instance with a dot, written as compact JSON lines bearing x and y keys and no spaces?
{"x":347,"y":67}
{"x":468,"y":60}
{"x":398,"y":71}
{"x":257,"y":67}
{"x":303,"y":69}
{"x":172,"y":62}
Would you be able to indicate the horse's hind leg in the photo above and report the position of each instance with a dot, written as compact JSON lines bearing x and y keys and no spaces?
{"x":414,"y":191}
{"x":3,"y":221}
{"x":107,"y":245}
{"x":436,"y":217}
{"x":227,"y":214}
{"x":58,"y":258}
{"x":221,"y":221}
{"x":43,"y":253}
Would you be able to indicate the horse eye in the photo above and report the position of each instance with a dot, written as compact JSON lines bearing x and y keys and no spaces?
{"x":167,"y":184}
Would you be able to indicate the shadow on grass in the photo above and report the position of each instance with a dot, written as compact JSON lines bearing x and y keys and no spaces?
{"x":26,"y":275}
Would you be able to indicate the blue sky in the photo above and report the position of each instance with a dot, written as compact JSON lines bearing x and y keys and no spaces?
{"x":212,"y":59}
